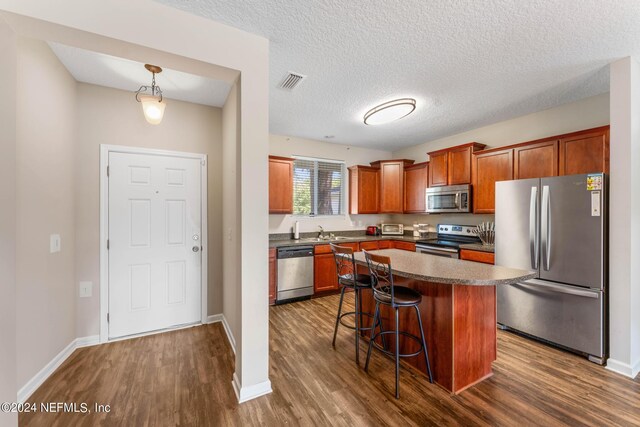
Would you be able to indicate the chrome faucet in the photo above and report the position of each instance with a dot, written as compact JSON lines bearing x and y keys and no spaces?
{"x":321,"y":233}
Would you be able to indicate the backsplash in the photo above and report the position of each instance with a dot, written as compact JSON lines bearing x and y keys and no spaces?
{"x":284,"y":223}
{"x":435,"y":219}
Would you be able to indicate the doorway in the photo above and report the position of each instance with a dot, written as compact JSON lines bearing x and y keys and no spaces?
{"x":153,"y":260}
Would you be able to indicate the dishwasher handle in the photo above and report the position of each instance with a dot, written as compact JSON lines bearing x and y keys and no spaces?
{"x":295,"y":252}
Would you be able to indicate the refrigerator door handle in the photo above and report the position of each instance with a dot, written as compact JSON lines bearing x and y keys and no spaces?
{"x":570,"y":290}
{"x":533,"y":227}
{"x":546,"y":227}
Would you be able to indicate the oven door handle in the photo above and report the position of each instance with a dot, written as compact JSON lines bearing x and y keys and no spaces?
{"x":437,"y":248}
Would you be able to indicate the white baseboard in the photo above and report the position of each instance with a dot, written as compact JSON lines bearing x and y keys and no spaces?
{"x":220,"y":318}
{"x":32,"y":385}
{"x":622,"y":368}
{"x":247,"y":393}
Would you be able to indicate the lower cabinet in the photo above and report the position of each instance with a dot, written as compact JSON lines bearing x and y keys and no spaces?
{"x":477,"y":256}
{"x":369,"y":246}
{"x":325,"y":277}
{"x":273,"y":275}
{"x":405,"y":246}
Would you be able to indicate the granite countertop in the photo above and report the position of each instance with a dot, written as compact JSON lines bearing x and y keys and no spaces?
{"x":279,"y":243}
{"x":437,"y":269}
{"x":478,"y":247}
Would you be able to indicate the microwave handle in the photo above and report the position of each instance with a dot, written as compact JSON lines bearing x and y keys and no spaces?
{"x":457,"y":201}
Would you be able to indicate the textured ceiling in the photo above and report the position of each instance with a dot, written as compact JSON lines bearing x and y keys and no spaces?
{"x":468,"y":63}
{"x":119,"y":73}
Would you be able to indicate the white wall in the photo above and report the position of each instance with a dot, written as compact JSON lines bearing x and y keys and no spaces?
{"x":624,"y":228}
{"x":289,"y":146}
{"x":46,"y":292}
{"x":111,"y":116}
{"x":8,"y":360}
{"x":584,"y":114}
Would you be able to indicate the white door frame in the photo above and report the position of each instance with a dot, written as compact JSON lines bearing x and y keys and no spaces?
{"x":105,"y":149}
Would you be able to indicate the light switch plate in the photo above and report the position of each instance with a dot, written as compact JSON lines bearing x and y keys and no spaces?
{"x":86,"y":289}
{"x":55,"y":243}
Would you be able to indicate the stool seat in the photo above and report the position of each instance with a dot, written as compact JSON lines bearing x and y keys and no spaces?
{"x":401,"y":296}
{"x":362,"y":280}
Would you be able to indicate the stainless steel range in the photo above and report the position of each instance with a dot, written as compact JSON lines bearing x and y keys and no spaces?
{"x":447,"y":243}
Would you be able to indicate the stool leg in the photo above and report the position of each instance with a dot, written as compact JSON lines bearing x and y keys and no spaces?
{"x":424,"y":344}
{"x":376,"y":315}
{"x":356,"y":293}
{"x":335,"y":330}
{"x":397,"y":356}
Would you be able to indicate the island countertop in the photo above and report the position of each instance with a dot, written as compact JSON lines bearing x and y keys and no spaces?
{"x":430,"y":268}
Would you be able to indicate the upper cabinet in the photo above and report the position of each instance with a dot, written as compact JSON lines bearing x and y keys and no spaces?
{"x":280,"y":185}
{"x":489,"y":167}
{"x":536,"y":160}
{"x":363,"y":190}
{"x":416,"y":180}
{"x":585,"y":152}
{"x":452,"y":166}
{"x":391,"y":178}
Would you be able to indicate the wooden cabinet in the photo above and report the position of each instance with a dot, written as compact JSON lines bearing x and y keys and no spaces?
{"x":391,"y":177}
{"x":438,"y":167}
{"x":405,"y":246}
{"x":477,"y":256}
{"x":369,"y":246}
{"x":325,"y":278}
{"x":489,"y":167}
{"x":452,"y":166}
{"x":384,"y":244}
{"x":280,"y":185}
{"x":363,"y":190}
{"x":536,"y":160}
{"x":585,"y":152}
{"x":273,"y":275}
{"x":416,"y":180}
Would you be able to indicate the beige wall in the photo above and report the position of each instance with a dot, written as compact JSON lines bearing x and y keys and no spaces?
{"x":45,"y":205}
{"x":289,"y":146}
{"x":110,"y":116}
{"x":8,"y":362}
{"x":231,"y":254}
{"x":584,"y":114}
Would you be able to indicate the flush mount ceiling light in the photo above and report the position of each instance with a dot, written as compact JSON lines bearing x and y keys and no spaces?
{"x":390,"y":111}
{"x":152,"y":104}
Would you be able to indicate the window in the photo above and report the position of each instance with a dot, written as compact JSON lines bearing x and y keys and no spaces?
{"x":318,"y":187}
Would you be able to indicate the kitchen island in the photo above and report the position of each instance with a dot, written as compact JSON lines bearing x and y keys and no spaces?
{"x":458,"y":313}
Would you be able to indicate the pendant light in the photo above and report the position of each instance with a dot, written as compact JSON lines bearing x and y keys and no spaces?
{"x":152,"y":103}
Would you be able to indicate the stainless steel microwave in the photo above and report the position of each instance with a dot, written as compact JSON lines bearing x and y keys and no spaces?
{"x":447,"y":199}
{"x":392,"y":229}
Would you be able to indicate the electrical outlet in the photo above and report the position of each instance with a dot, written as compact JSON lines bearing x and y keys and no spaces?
{"x":86,"y":289}
{"x":55,"y":243}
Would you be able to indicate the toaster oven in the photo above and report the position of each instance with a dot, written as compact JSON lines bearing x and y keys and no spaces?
{"x":392,"y":229}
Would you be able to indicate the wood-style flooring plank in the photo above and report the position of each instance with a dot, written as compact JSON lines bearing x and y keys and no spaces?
{"x":183,"y":378}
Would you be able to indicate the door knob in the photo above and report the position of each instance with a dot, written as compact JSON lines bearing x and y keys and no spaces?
{"x":195,"y":249}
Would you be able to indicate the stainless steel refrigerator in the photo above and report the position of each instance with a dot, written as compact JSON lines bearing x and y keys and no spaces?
{"x":558,"y":227}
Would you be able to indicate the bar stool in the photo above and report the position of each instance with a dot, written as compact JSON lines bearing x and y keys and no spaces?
{"x":349,"y":279}
{"x":396,"y":297}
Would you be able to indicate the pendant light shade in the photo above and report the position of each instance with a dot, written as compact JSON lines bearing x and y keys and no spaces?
{"x":152,"y":104}
{"x":153,"y":108}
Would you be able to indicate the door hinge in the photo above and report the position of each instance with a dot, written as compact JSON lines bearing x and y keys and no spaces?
{"x":107,"y":317}
{"x":202,"y":162}
{"x":107,"y":170}
{"x":107,"y":244}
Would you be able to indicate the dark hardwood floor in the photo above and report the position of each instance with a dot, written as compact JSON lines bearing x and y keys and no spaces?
{"x":184,"y":378}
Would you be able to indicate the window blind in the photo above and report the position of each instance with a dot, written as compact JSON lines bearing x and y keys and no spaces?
{"x":318,"y":187}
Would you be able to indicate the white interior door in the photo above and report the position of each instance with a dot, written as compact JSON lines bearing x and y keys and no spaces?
{"x":154,"y":242}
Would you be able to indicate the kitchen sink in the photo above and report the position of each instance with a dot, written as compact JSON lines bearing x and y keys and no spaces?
{"x":325,"y":239}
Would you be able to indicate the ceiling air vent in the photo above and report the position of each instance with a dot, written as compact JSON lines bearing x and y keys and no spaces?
{"x":291,"y":81}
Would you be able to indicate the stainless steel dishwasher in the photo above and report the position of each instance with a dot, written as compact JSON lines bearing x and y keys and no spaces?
{"x":295,"y":273}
